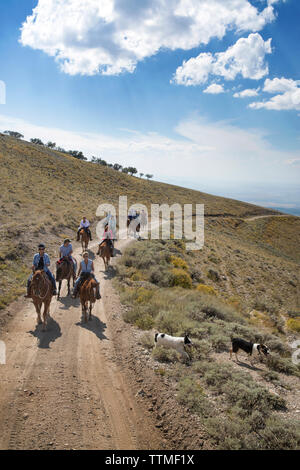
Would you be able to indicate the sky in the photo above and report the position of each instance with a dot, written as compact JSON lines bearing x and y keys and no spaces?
{"x":199,"y":93}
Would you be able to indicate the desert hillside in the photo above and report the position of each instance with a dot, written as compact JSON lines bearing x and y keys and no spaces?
{"x":244,"y":282}
{"x":44,"y":194}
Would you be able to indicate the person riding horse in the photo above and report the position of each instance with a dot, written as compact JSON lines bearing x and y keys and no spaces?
{"x":41,"y":261}
{"x":110,"y":236}
{"x":85,"y":225}
{"x":86,"y":268}
{"x":65,"y":252}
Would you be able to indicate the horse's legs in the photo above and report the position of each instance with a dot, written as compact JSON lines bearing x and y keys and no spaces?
{"x":69,"y":286}
{"x":45,"y":314}
{"x":91,"y":306}
{"x":59,"y":287}
{"x":84,"y":311}
{"x":38,"y":311}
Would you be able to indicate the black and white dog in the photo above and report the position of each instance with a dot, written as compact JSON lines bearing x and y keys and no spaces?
{"x":175,"y":342}
{"x":248,"y":347}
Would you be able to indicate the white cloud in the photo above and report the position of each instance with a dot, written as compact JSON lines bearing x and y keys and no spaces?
{"x":248,"y":93}
{"x":214,"y":89}
{"x":111,"y":36}
{"x":287,"y":99}
{"x":246,"y":57}
{"x":201,"y":151}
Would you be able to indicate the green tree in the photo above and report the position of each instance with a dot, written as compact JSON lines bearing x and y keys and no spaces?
{"x":17,"y":135}
{"x":117,"y":167}
{"x":77,"y":154}
{"x":51,"y":145}
{"x":132,"y":170}
{"x":36,"y":141}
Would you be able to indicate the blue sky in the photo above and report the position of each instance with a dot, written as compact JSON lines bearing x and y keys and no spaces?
{"x":152,"y":84}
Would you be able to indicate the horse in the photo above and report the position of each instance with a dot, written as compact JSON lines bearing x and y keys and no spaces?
{"x":84,"y":238}
{"x":87,"y":296}
{"x":41,"y":293}
{"x":105,"y":250}
{"x":64,"y":270}
{"x":132,"y":229}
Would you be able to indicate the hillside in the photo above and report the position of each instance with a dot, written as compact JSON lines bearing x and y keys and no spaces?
{"x":44,"y":194}
{"x":111,"y":387}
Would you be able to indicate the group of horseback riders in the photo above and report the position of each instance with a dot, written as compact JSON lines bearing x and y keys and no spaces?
{"x":41,"y":260}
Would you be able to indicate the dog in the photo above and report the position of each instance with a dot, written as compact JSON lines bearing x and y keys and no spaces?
{"x":174,"y":342}
{"x":248,"y":347}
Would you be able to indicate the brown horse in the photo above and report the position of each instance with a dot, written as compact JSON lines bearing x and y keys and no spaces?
{"x":41,"y":293}
{"x":105,"y":251}
{"x":87,"y":297}
{"x":64,"y":270}
{"x":84,"y":238}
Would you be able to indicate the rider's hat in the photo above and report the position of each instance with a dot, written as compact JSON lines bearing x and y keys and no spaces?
{"x":67,"y":240}
{"x":41,"y":245}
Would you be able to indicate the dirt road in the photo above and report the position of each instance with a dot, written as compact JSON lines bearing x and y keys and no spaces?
{"x":67,"y":388}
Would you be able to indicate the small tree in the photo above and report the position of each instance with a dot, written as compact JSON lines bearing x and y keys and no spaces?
{"x":51,"y":145}
{"x":77,"y":154}
{"x":149,"y":176}
{"x":17,"y":135}
{"x":132,"y":170}
{"x":117,"y":167}
{"x":141,"y":175}
{"x":125,"y":170}
{"x":36,"y":141}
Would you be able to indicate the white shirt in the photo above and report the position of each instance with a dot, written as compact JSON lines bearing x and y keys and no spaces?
{"x":84,"y":224}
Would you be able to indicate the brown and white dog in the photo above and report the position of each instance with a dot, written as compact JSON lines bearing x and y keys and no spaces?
{"x":248,"y":347}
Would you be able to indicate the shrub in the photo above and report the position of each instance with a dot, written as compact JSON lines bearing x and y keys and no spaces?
{"x":206,"y":289}
{"x":200,"y":350}
{"x":160,"y":276}
{"x":147,"y":341}
{"x":271,"y":376}
{"x":250,"y":396}
{"x":162,"y":354}
{"x":280,"y":364}
{"x":213,"y":275}
{"x":181,"y":278}
{"x":144,"y":322}
{"x":293,"y":324}
{"x":179,"y":262}
{"x":144,"y":295}
{"x":190,"y":394}
{"x":227,"y":433}
{"x":280,"y":435}
{"x":169,"y":322}
{"x":220,"y":343}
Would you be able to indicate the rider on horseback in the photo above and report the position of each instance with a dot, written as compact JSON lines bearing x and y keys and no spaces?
{"x":65,"y":252}
{"x":86,"y":266}
{"x":85,"y":225}
{"x":108,"y":235}
{"x":41,"y":261}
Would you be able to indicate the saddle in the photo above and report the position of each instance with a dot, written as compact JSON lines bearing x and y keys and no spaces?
{"x":84,"y":277}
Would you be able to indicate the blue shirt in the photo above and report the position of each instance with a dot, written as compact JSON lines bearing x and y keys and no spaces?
{"x":66,"y":250}
{"x":86,"y":268}
{"x":36,"y":260}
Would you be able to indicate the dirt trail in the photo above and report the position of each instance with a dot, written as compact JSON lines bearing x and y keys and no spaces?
{"x":248,"y":219}
{"x":67,"y":388}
